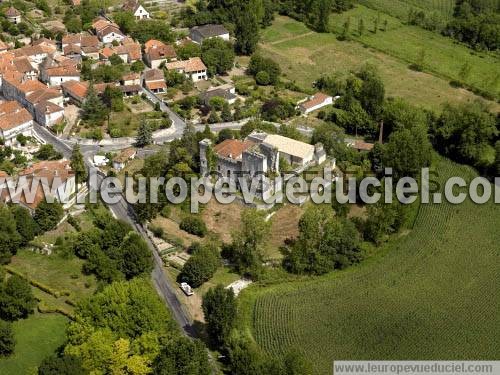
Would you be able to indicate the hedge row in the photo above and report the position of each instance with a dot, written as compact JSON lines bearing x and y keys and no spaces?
{"x":37,"y":284}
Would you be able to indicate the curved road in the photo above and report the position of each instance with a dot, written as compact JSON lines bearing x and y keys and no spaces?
{"x":122,"y":210}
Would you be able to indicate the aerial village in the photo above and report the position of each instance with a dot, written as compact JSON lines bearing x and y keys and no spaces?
{"x":97,"y":93}
{"x":43,"y":84}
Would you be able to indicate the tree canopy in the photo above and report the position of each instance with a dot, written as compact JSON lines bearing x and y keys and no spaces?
{"x":48,"y":215}
{"x":219,"y":309}
{"x":16,"y":299}
{"x":466,"y":133}
{"x":113,"y":251}
{"x":218,"y":55}
{"x":7,"y":340}
{"x":78,"y":164}
{"x":248,"y":242}
{"x":120,"y":328}
{"x":10,"y":239}
{"x":182,"y":356}
{"x":325,"y":243}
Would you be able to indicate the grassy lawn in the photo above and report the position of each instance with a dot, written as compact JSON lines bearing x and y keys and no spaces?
{"x":283,"y":29}
{"x":56,"y":272}
{"x":51,"y":236}
{"x":132,"y":167}
{"x":36,"y":338}
{"x":60,"y":273}
{"x":430,"y":294}
{"x":138,"y":105}
{"x":400,"y":8}
{"x":124,"y":123}
{"x":304,"y":59}
{"x":443,"y":56}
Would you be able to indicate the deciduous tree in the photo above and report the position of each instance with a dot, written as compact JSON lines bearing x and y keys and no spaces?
{"x":219,"y":309}
{"x":47,"y":215}
{"x":25,"y":225}
{"x":218,"y":55}
{"x":247,"y":245}
{"x":61,"y":365}
{"x":182,"y":356}
{"x":78,"y":164}
{"x":466,"y":133}
{"x":325,"y":243}
{"x":136,"y":256}
{"x":9,"y":236}
{"x":16,"y":299}
{"x":7,"y":340}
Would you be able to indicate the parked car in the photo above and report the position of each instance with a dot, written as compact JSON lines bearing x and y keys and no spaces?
{"x":186,"y":288}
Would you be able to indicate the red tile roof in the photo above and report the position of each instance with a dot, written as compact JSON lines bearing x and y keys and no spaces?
{"x":75,"y":88}
{"x":316,"y":99}
{"x":153,"y":75}
{"x":156,"y":85}
{"x":42,"y":95}
{"x":63,"y":71}
{"x":9,"y":107}
{"x":48,"y":107}
{"x":232,"y":148}
{"x":48,"y":170}
{"x":30,"y":86}
{"x":12,"y":12}
{"x":194,"y":64}
{"x":14,"y":119}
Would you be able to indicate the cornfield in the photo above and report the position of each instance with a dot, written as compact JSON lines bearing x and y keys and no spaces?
{"x":433,"y":293}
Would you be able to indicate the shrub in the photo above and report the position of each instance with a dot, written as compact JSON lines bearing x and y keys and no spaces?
{"x":193,"y":225}
{"x":262,"y":78}
{"x":165,"y":212}
{"x":157,"y":231}
{"x":242,"y":89}
{"x":200,"y":267}
{"x":74,"y":223}
{"x":7,"y":340}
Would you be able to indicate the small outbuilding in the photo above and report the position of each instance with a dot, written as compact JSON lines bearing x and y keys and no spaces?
{"x":13,"y":15}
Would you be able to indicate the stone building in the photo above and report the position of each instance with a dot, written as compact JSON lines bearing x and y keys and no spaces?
{"x":257,"y":158}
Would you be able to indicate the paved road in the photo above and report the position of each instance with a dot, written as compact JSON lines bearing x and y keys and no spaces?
{"x":122,"y":210}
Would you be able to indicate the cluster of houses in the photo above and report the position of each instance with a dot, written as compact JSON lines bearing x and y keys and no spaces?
{"x":28,"y":76}
{"x":43,"y":76}
{"x":54,"y":176}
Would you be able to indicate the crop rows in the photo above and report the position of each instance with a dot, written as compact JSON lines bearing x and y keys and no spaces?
{"x":435,"y":294}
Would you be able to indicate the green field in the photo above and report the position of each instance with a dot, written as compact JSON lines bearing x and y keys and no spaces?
{"x":400,"y":8}
{"x":443,"y":56}
{"x":304,"y":56}
{"x":430,"y":294}
{"x":36,"y":338}
{"x":61,"y":274}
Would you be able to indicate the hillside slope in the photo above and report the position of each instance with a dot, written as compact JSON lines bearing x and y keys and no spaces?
{"x":432,"y":294}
